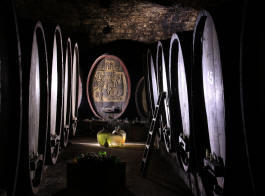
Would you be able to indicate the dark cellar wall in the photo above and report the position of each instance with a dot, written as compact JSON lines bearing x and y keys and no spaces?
{"x":106,"y":21}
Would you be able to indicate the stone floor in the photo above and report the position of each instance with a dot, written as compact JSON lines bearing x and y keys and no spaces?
{"x":161,"y":179}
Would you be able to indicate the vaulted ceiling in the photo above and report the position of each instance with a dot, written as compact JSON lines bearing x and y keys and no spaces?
{"x":103,"y":21}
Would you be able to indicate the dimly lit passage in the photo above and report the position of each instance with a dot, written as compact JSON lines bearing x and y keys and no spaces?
{"x":132,"y":98}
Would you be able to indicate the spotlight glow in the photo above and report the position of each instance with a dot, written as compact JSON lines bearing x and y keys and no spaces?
{"x":126,"y":145}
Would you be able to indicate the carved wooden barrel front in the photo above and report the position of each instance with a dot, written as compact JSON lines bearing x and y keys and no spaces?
{"x":108,"y":87}
{"x":141,"y":99}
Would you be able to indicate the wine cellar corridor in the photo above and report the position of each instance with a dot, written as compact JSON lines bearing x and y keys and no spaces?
{"x":132,"y":98}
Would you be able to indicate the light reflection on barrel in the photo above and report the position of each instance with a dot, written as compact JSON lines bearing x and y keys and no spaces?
{"x":56,"y":95}
{"x":108,"y":87}
{"x":180,"y":107}
{"x":10,"y":98}
{"x":209,"y":94}
{"x":67,"y":93}
{"x":163,"y":86}
{"x":74,"y":89}
{"x":36,"y":103}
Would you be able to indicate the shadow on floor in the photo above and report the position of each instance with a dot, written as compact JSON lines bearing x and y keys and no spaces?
{"x":169,"y":186}
{"x":78,"y":192}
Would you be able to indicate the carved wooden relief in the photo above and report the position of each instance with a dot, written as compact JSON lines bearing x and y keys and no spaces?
{"x":109,"y":82}
{"x":108,"y":87}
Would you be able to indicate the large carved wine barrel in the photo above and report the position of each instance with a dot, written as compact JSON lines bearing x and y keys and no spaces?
{"x":252,"y":83}
{"x":180,"y":107}
{"x":75,"y":89}
{"x":141,"y":99}
{"x":163,"y":86}
{"x":55,"y":60}
{"x":10,"y":98}
{"x":208,"y":94}
{"x":35,"y":108}
{"x":108,"y":87}
{"x":67,"y":93}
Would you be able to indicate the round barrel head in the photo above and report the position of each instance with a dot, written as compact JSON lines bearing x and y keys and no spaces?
{"x":67,"y":93}
{"x":152,"y":81}
{"x":108,"y":87}
{"x":38,"y":111}
{"x":56,"y":95}
{"x":180,"y":99}
{"x":209,"y":93}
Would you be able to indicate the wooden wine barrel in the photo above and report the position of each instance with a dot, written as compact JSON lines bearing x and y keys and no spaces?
{"x":55,"y":55}
{"x":163,"y":86}
{"x":180,"y":107}
{"x":35,"y":108}
{"x":151,"y":81}
{"x":75,"y":88}
{"x":208,"y":97}
{"x":10,"y":98}
{"x":252,"y":83}
{"x":141,"y":99}
{"x":67,"y":93}
{"x":108,"y":87}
